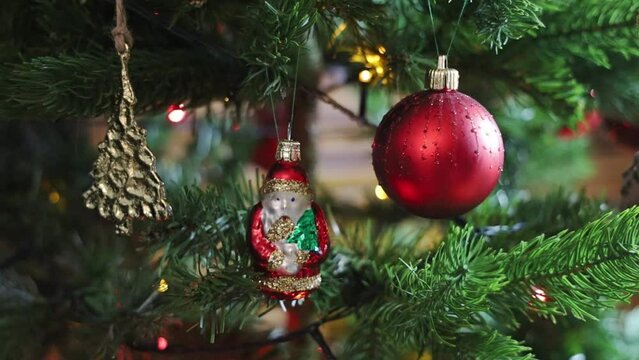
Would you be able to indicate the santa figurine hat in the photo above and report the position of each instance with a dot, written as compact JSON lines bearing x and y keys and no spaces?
{"x":286,"y":174}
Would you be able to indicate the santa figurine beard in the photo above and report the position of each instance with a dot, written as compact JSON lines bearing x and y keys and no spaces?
{"x":288,"y":234}
{"x":285,"y":207}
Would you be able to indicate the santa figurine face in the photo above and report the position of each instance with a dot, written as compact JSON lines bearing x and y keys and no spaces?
{"x":284,"y":203}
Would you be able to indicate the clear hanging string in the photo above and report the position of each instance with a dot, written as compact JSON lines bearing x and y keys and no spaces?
{"x":297,"y":68}
{"x":277,"y":130}
{"x":456,"y":27}
{"x":432,"y":23}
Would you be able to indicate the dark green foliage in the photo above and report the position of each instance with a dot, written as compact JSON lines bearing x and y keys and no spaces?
{"x":185,"y":53}
{"x":432,"y":300}
{"x":277,"y":30}
{"x":403,"y":297}
{"x":84,"y":84}
{"x":205,"y":220}
{"x":524,"y":219}
{"x":593,"y":30}
{"x":206,"y":258}
{"x":369,"y":341}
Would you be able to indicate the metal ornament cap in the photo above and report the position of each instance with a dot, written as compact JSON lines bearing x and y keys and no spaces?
{"x":443,"y":78}
{"x":288,"y":150}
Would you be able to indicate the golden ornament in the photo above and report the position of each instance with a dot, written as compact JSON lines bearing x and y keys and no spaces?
{"x":126,"y":185}
{"x":163,"y":286}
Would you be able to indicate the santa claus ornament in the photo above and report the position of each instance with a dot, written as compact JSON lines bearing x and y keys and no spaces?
{"x":288,"y":234}
{"x":438,"y":153}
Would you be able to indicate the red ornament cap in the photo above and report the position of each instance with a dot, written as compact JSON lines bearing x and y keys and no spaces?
{"x":287,"y":174}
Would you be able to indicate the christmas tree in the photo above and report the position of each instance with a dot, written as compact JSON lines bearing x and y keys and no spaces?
{"x":292,"y":263}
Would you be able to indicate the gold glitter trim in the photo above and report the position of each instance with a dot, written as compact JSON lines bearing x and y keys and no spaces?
{"x":291,"y":283}
{"x":275,"y":260}
{"x":278,"y":185}
{"x":302,"y":257}
{"x":281,"y":229}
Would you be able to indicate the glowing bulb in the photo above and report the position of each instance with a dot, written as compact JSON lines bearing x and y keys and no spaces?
{"x":381,"y":49}
{"x":365,"y":76}
{"x":373,"y":58}
{"x":176,"y":113}
{"x":163,"y":343}
{"x":54,"y":197}
{"x":539,"y":294}
{"x":163,"y":286}
{"x":380,"y":193}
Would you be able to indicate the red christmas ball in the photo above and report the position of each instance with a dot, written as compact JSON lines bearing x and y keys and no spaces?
{"x":592,"y":120}
{"x":438,"y":153}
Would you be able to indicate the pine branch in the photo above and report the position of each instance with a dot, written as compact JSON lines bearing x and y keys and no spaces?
{"x":490,"y":345}
{"x":278,"y":30}
{"x":592,"y":30}
{"x":432,"y":301}
{"x":555,"y":212}
{"x":580,"y":271}
{"x":84,"y":85}
{"x":500,"y":21}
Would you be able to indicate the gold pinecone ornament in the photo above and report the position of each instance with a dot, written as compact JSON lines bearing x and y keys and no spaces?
{"x":126,"y":185}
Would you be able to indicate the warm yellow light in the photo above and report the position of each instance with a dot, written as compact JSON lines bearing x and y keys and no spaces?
{"x":163,"y":286}
{"x":365,"y":76}
{"x":382,"y":50}
{"x":379,"y":70}
{"x":373,"y":59}
{"x":338,"y":31}
{"x":380,"y":193}
{"x":54,"y":197}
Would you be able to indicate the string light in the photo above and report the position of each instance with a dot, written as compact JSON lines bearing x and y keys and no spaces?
{"x":176,"y":113}
{"x":374,"y":61}
{"x":163,"y":286}
{"x":539,"y":294}
{"x":365,"y":76}
{"x":54,"y":197}
{"x":163,"y":343}
{"x":380,"y":193}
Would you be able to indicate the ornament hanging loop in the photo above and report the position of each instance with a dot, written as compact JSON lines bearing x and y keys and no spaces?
{"x":121,"y":34}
